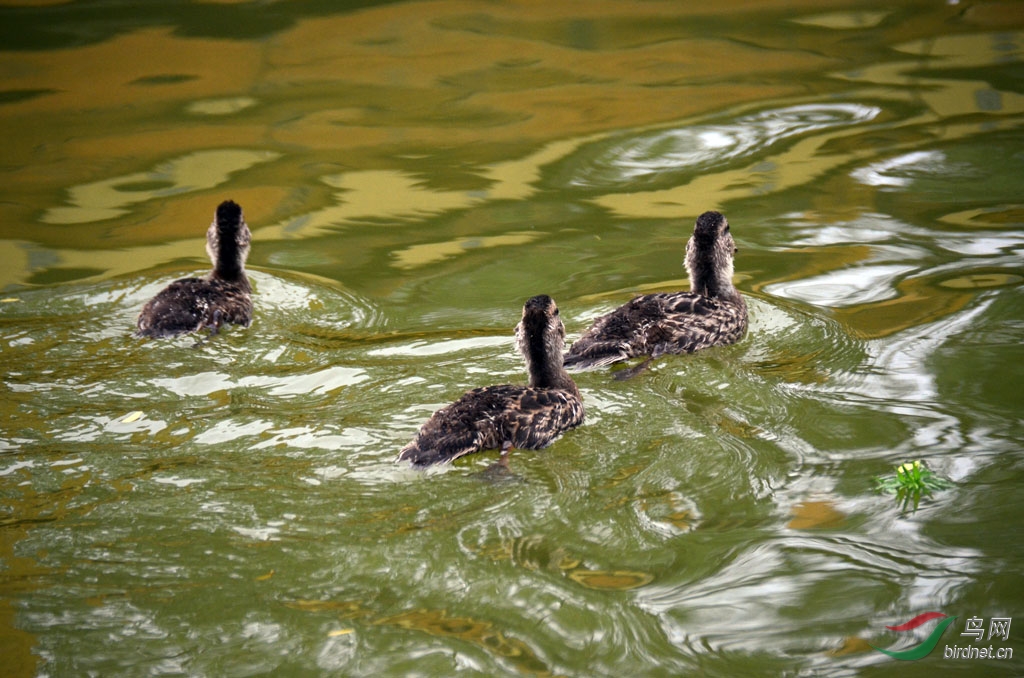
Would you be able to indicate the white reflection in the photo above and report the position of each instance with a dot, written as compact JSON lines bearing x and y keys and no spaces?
{"x":846,"y":287}
{"x":902,"y":170}
{"x":678,"y":149}
{"x":423,"y":348}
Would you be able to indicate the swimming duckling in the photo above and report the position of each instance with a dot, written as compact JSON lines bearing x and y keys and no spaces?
{"x":502,"y":417}
{"x":223,"y":296}
{"x":712,"y":314}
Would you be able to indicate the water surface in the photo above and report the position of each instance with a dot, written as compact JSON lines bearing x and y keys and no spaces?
{"x":412,"y":172}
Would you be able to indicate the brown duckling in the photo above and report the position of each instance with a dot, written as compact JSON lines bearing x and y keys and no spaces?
{"x":712,"y":314}
{"x":502,"y":417}
{"x":222,"y":296}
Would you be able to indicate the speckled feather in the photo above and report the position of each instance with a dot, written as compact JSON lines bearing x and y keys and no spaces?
{"x":223,"y":296}
{"x":486,"y":418}
{"x":193,"y":304}
{"x":496,"y":417}
{"x":713,"y":314}
{"x":655,"y":324}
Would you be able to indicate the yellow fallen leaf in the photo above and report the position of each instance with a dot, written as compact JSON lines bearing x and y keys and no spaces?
{"x":9,"y":300}
{"x":131,"y":416}
{"x":339,"y":632}
{"x":265,"y":577}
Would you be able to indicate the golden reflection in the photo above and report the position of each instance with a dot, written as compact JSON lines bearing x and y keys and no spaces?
{"x":383,"y":195}
{"x":668,"y":508}
{"x":535,"y":553}
{"x":821,"y":514}
{"x":17,"y":578}
{"x":197,"y":171}
{"x":480,"y":633}
{"x":845,"y":20}
{"x":111,"y":74}
{"x":437,"y":623}
{"x":920,"y":301}
{"x":432,"y":253}
{"x":346,"y":609}
{"x":798,"y":164}
{"x":221,"y":106}
{"x":851,"y":645}
{"x":611,"y":580}
{"x":987,"y":217}
{"x":981,"y":281}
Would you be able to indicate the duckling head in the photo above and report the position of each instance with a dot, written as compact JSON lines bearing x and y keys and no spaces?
{"x":540,"y":338}
{"x":709,"y":256}
{"x":227,"y":241}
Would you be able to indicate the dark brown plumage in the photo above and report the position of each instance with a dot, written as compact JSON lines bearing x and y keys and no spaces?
{"x":222,"y":296}
{"x":502,"y":417}
{"x":712,"y":314}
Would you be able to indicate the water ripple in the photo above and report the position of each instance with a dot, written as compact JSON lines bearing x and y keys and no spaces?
{"x":669,"y":154}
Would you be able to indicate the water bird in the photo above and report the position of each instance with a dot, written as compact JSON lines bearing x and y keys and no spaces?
{"x":504,"y":417}
{"x":712,"y":313}
{"x":222,"y":296}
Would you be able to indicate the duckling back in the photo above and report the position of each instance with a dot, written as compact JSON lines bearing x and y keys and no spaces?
{"x":712,"y":314}
{"x":223,"y":296}
{"x":494,"y":418}
{"x":502,"y":417}
{"x":656,"y":324}
{"x":193,"y":304}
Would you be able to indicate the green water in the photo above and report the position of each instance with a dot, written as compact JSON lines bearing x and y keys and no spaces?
{"x":412,"y":172}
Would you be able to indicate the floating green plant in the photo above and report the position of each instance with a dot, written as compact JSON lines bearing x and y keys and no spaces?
{"x":911,"y":481}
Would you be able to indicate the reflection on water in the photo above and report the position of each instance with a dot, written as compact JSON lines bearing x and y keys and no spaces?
{"x":672,"y":155}
{"x":413,"y":171}
{"x":194,"y":172}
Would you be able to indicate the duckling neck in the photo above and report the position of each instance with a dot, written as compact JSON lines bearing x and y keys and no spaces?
{"x":228,"y":265}
{"x":551,"y":376}
{"x":546,"y":369}
{"x":711,"y":280}
{"x":715,"y":287}
{"x":234,"y":275}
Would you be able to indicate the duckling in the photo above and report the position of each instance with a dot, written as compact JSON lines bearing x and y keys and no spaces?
{"x":712,"y":314}
{"x":502,"y":417}
{"x":222,"y":296}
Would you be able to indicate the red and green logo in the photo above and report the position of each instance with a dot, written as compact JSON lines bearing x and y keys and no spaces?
{"x":921,"y":650}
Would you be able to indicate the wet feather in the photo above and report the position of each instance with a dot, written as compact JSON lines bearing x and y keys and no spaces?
{"x":713,"y":313}
{"x":502,"y":417}
{"x":222,"y":296}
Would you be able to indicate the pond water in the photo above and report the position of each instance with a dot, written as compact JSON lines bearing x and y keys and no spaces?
{"x":412,"y":172}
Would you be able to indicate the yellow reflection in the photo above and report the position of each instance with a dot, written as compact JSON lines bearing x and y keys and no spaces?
{"x":844,"y":20}
{"x":480,"y":633}
{"x":384,"y":194}
{"x":534,"y":552}
{"x":981,"y":281}
{"x":431,"y":253}
{"x":15,"y":258}
{"x":920,"y":301}
{"x":851,"y":645}
{"x":611,"y":580}
{"x":221,"y":106}
{"x":808,"y":515}
{"x":193,"y":172}
{"x":117,"y":72}
{"x":16,"y":645}
{"x":986,"y":217}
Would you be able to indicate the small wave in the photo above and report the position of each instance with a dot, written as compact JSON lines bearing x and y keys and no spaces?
{"x":648,"y":157}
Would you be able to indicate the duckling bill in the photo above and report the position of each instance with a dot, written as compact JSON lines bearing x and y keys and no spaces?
{"x":222,"y":296}
{"x":713,"y":313}
{"x":503,"y":417}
